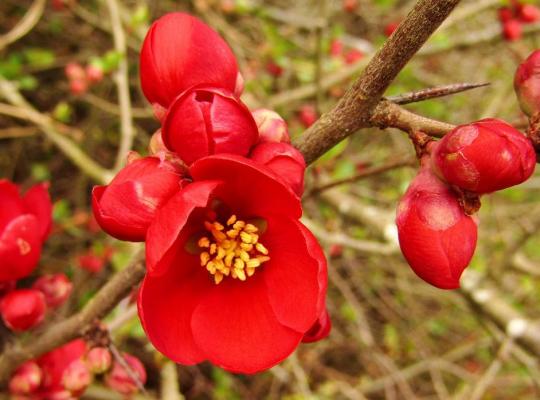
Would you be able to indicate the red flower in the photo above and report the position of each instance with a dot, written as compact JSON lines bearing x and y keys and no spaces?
{"x":353,"y":56}
{"x":121,"y":381}
{"x":56,"y":288}
{"x":204,"y":121}
{"x":436,"y":237}
{"x":125,"y":207}
{"x":179,"y":52}
{"x":25,"y":222}
{"x":26,"y":379}
{"x":529,"y":13}
{"x":285,"y":161}
{"x":484,"y":156}
{"x":527,"y":84}
{"x":23,"y":309}
{"x":272,"y":128}
{"x":233,"y":276}
{"x":505,"y":14}
{"x":512,"y":30}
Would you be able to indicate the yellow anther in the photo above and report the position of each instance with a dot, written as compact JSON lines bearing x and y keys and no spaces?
{"x":239,"y":225}
{"x":250,"y":228}
{"x":213,"y":248}
{"x":205,"y":257}
{"x":254,"y":238}
{"x":261,"y":249}
{"x":233,"y":233}
{"x":211,"y":267}
{"x":244,"y":256}
{"x":218,"y":277}
{"x":227,"y":244}
{"x":226,"y":271}
{"x":208,"y":225}
{"x":218,"y":226}
{"x":253,"y":263}
{"x":221,"y":253}
{"x":240,"y":274}
{"x":250,"y":271}
{"x":239,"y":264}
{"x":204,"y":242}
{"x":219,"y":236}
{"x":229,"y":259}
{"x":245,"y":237}
{"x":231,"y":220}
{"x":262,"y":259}
{"x":219,"y":265}
{"x":246,"y":246}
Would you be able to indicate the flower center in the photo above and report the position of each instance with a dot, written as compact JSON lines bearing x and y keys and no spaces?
{"x":231,"y":250}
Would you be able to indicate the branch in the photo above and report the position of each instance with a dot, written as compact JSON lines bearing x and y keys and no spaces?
{"x":25,"y":25}
{"x":435,"y":92}
{"x":122,"y":85}
{"x":355,"y":108}
{"x":104,"y":301}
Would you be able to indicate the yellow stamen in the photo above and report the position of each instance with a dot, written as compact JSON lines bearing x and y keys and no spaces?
{"x":231,"y":220}
{"x":204,"y":242}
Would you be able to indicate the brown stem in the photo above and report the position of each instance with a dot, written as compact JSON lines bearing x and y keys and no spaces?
{"x":356,"y":107}
{"x":434,"y":92}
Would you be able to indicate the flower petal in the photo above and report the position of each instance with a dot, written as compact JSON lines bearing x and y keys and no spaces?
{"x":292,"y":274}
{"x":235,"y":327}
{"x":250,"y":187}
{"x":38,"y":203}
{"x":10,"y":199}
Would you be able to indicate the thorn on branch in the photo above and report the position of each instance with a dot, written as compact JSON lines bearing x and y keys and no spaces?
{"x":435,"y":92}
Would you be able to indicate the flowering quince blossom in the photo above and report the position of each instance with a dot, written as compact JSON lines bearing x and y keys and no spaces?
{"x":272,"y":128}
{"x":204,"y":121}
{"x":527,"y":84}
{"x":121,"y":381}
{"x":25,"y":223}
{"x":56,"y":288}
{"x":126,"y":206}
{"x":232,"y":276}
{"x":484,"y":156}
{"x":180,"y":51}
{"x":435,"y":235}
{"x":26,"y":378}
{"x":23,"y":309}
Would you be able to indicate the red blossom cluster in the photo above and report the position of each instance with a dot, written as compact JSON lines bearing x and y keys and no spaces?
{"x":513,"y":16}
{"x":25,"y":224}
{"x":81,"y":78}
{"x":436,"y":233}
{"x":233,"y":277}
{"x":65,"y":372}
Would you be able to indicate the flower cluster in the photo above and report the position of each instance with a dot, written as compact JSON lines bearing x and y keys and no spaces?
{"x":233,"y":277}
{"x":66,"y":372}
{"x":513,"y":16}
{"x":436,"y":233}
{"x":25,"y":223}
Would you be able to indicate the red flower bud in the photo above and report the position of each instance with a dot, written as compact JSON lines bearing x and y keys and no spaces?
{"x":274,"y":69}
{"x":205,"y":121}
{"x":350,"y":5}
{"x":435,"y":235}
{"x":390,"y":28}
{"x":78,"y":86}
{"x":320,"y":329}
{"x":484,"y":156}
{"x":512,"y":30}
{"x":308,"y":115}
{"x":272,"y":128}
{"x":353,"y":56}
{"x":99,"y":360}
{"x":125,"y":207}
{"x":56,"y":289}
{"x":94,"y":73}
{"x":26,"y":379}
{"x":76,"y":377}
{"x":23,"y":309}
{"x":239,"y":87}
{"x":527,"y":84}
{"x":285,"y":161}
{"x":121,"y":381}
{"x":529,"y":13}
{"x":75,"y":71}
{"x":336,"y":251}
{"x":179,"y":52}
{"x":505,"y":14}
{"x":336,"y":47}
{"x":91,"y":262}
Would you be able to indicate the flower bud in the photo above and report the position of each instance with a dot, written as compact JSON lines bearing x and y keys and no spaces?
{"x":23,"y":309}
{"x":125,"y":207}
{"x":320,"y":329}
{"x":239,"y":87}
{"x":529,"y":13}
{"x":179,"y":52}
{"x":505,"y":14}
{"x":94,"y":72}
{"x":26,"y":379}
{"x":484,"y":156}
{"x":56,"y":289}
{"x":98,"y":360}
{"x":91,"y":262}
{"x":285,"y":161}
{"x":75,"y":71}
{"x":274,"y":69}
{"x":353,"y":56}
{"x":308,"y":115}
{"x":121,"y":381}
{"x":512,"y":30}
{"x":436,"y":237}
{"x":272,"y":128}
{"x":205,"y":121}
{"x":76,"y":377}
{"x":527,"y":84}
{"x":350,"y":5}
{"x":390,"y":28}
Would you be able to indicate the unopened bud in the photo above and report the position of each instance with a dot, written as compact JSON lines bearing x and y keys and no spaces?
{"x":26,"y":379}
{"x":76,"y":376}
{"x":272,"y":128}
{"x":56,"y":289}
{"x":99,"y":360}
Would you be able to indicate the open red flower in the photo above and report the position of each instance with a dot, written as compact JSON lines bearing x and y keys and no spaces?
{"x":126,"y":206}
{"x":179,"y":52}
{"x":233,"y":276}
{"x":25,"y":222}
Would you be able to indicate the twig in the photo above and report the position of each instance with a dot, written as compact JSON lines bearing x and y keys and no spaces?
{"x":432,"y":93}
{"x":18,"y":132}
{"x":122,"y":84}
{"x":119,"y":358}
{"x":112,"y":108}
{"x":170,"y":389}
{"x":25,"y":25}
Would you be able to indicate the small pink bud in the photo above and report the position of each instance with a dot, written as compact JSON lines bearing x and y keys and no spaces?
{"x":272,"y":128}
{"x":239,"y":87}
{"x":390,"y":28}
{"x":274,"y":69}
{"x":353,"y":56}
{"x":56,"y":289}
{"x":91,"y":262}
{"x":76,"y":377}
{"x":350,"y":5}
{"x":26,"y":379}
{"x":436,"y":237}
{"x":512,"y":30}
{"x":527,"y":84}
{"x":94,"y":73}
{"x":308,"y":115}
{"x":529,"y":13}
{"x":121,"y":381}
{"x":23,"y":309}
{"x":285,"y":161}
{"x":336,"y":251}
{"x":336,"y":47}
{"x":75,"y":71}
{"x":484,"y":156}
{"x":320,"y":329}
{"x":505,"y":14}
{"x":98,"y":360}
{"x":78,"y":86}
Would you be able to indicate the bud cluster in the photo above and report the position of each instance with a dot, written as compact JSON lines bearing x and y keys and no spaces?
{"x":513,"y":16}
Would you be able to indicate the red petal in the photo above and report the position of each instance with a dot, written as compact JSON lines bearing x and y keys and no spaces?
{"x":235,"y":326}
{"x":38,"y":202}
{"x":167,"y":234}
{"x":10,"y":200}
{"x":252,"y":189}
{"x":20,"y":248}
{"x":320,"y":329}
{"x":291,"y":275}
{"x":166,"y":305}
